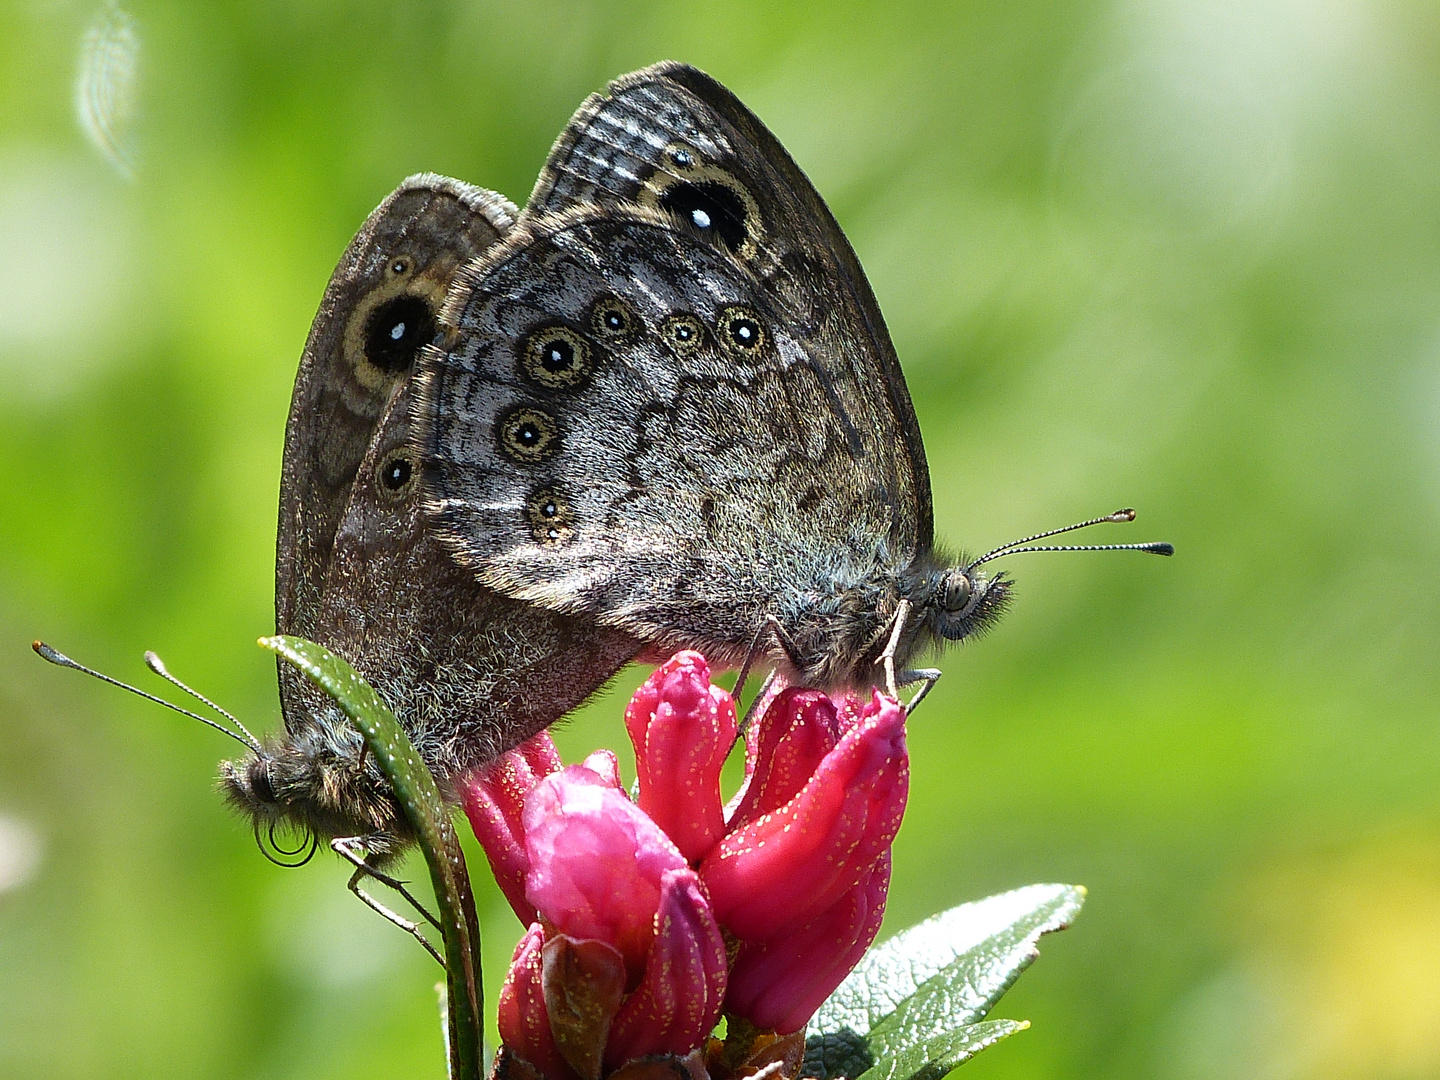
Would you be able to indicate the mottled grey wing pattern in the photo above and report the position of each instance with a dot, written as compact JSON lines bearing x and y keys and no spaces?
{"x":379,"y":307}
{"x":681,"y":489}
{"x":695,"y":467}
{"x":469,"y":672}
{"x":670,"y":136}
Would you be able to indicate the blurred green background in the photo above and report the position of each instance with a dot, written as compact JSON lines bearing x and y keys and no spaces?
{"x":1176,"y":254}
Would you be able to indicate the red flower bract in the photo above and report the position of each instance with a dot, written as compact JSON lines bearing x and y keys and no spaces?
{"x":630,"y":904}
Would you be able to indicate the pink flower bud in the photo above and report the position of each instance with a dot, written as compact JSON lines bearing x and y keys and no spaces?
{"x":783,"y":748}
{"x":678,"y":1000}
{"x":494,"y":799}
{"x":595,"y":862}
{"x":779,"y":984}
{"x":789,"y":865}
{"x":682,"y":728}
{"x":604,"y":764}
{"x":524,"y":1024}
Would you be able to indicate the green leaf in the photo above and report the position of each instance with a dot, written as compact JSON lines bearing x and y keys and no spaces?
{"x":418,"y":796}
{"x":933,"y":1058}
{"x":918,"y":992}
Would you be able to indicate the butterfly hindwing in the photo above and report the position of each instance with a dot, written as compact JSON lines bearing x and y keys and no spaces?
{"x":468,"y":671}
{"x":627,"y":425}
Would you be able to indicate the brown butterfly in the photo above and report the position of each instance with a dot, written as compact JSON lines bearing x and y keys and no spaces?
{"x":468,"y":672}
{"x":666,"y":402}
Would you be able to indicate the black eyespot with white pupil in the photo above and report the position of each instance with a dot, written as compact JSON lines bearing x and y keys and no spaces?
{"x":396,"y":472}
{"x":683,"y":334}
{"x":556,"y":357}
{"x":528,"y":435}
{"x":549,"y":515}
{"x":740,"y":331}
{"x":710,"y":206}
{"x":612,"y":320}
{"x":396,"y":331}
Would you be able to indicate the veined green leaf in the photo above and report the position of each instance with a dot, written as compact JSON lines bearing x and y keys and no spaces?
{"x":927,"y":984}
{"x":933,"y":1058}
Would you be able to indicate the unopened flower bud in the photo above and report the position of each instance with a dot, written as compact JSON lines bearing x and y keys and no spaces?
{"x":596,"y":861}
{"x":682,"y":728}
{"x":787,"y":866}
{"x":779,"y":984}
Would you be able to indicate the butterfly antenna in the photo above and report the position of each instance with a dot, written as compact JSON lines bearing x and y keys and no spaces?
{"x":155,"y":664}
{"x":1017,"y":546}
{"x":59,"y":659}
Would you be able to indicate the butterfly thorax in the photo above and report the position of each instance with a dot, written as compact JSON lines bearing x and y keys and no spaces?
{"x":836,"y":633}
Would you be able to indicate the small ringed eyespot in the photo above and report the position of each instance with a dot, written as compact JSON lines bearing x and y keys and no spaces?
{"x":612,"y":319}
{"x":395,"y":473}
{"x":556,"y":357}
{"x":396,"y":330}
{"x":683,"y":333}
{"x":549,"y":515}
{"x":399,"y":266}
{"x":528,"y":435}
{"x":740,"y":331}
{"x":681,"y":156}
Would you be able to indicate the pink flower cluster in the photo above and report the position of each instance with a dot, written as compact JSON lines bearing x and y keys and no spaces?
{"x":649,"y":918}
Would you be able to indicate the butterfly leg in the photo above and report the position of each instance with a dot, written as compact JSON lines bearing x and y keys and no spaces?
{"x":927,"y":677}
{"x":350,"y":849}
{"x":778,"y":637}
{"x":753,"y":707}
{"x":887,"y":656}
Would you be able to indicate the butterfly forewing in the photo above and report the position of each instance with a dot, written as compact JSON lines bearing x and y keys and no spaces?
{"x":379,"y":307}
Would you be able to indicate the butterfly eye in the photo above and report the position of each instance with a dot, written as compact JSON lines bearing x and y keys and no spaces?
{"x":740,"y":331}
{"x":613,"y":320}
{"x":549,"y":515}
{"x":556,"y":357}
{"x":396,"y":331}
{"x":528,"y":435}
{"x":956,"y":591}
{"x":683,"y":333}
{"x":395,"y":474}
{"x":260,"y":784}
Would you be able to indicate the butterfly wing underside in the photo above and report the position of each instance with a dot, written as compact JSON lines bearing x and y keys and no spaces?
{"x":692,"y":482}
{"x":621,"y":146}
{"x":393,"y":275}
{"x":468,"y":672}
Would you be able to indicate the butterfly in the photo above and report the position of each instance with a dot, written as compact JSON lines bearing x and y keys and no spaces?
{"x":666,"y":401}
{"x":469,"y":672}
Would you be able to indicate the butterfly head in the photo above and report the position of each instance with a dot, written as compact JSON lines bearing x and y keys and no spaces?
{"x":313,"y":784}
{"x":958,"y":603}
